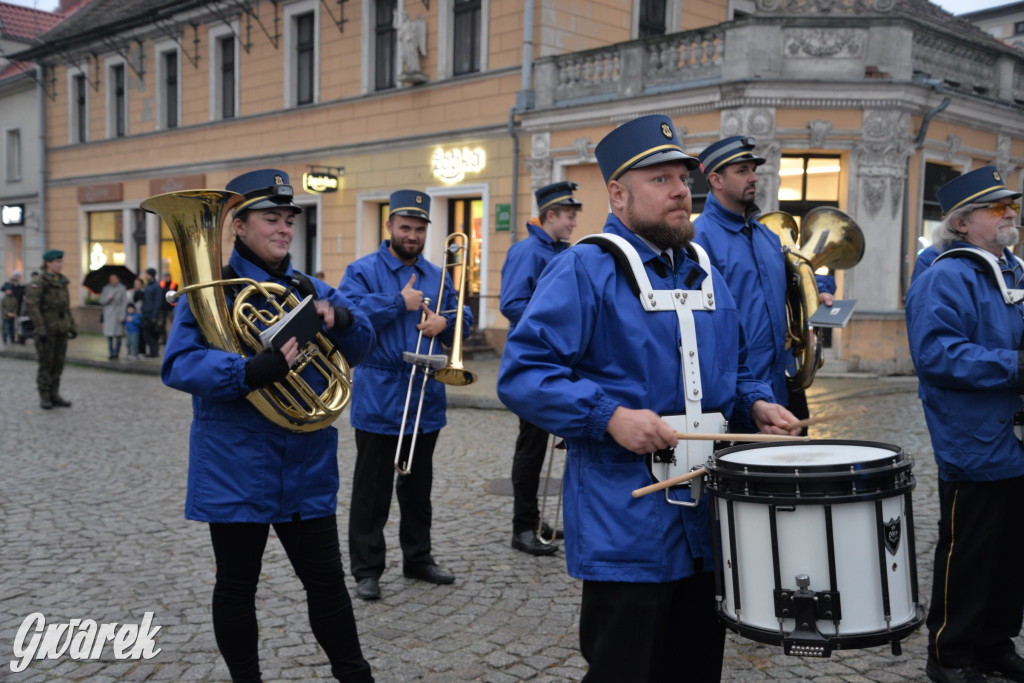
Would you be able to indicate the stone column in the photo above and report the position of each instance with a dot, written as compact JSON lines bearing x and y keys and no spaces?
{"x":758,"y":122}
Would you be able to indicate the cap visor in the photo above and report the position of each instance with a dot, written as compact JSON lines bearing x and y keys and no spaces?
{"x":665,"y":157}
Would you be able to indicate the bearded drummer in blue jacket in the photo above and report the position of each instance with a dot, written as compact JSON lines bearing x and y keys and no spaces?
{"x":965,"y":325}
{"x":246,"y":473}
{"x":590,"y":363}
{"x":750,"y":257}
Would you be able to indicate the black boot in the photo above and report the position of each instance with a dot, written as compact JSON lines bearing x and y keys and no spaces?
{"x":56,"y":400}
{"x":45,"y":403}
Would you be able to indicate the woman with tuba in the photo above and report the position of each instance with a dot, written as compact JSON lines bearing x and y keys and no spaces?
{"x":388,"y":286}
{"x":750,"y":257}
{"x":246,"y":472}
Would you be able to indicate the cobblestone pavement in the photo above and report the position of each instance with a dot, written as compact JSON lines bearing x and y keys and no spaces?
{"x":91,"y":527}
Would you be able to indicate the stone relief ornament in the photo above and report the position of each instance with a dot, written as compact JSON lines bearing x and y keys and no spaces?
{"x":761,"y":122}
{"x":823,"y":43}
{"x":540,"y":171}
{"x":731,"y":125}
{"x":874,"y":194}
{"x":582,"y":148}
{"x":895,"y":195}
{"x":953,"y":143}
{"x":1002,"y":160}
{"x":819,"y":132}
{"x":540,"y":144}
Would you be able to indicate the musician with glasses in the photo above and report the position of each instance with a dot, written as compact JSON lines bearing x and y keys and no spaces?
{"x":247,"y":474}
{"x":556,"y":211}
{"x":591,"y":362}
{"x":750,"y":258}
{"x":965,"y":326}
{"x":388,"y":286}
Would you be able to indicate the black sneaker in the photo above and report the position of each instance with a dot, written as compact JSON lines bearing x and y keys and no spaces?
{"x":964,"y":674}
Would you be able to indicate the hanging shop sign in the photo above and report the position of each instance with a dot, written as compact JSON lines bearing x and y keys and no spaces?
{"x":12,"y":214}
{"x":319,"y":182}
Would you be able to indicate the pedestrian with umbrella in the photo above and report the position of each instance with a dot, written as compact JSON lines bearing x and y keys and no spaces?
{"x":114,"y":299}
{"x":96,"y":280}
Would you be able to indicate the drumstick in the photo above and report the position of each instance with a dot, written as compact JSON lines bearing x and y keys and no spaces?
{"x":699,"y":472}
{"x":697,"y":436}
{"x":842,"y":414}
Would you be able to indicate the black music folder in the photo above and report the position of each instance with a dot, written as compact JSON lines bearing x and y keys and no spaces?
{"x":836,"y":315}
{"x":302,"y":322}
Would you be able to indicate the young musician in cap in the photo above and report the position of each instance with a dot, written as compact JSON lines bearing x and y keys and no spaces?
{"x":556,"y":210}
{"x":246,"y":473}
{"x":388,"y":286}
{"x":48,"y":304}
{"x":749,"y":256}
{"x":965,"y":325}
{"x":589,"y":362}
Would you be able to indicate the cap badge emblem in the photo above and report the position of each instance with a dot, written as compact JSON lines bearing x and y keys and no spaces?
{"x":278,"y":180}
{"x":419,"y":199}
{"x":995,"y":176}
{"x":666,"y":130}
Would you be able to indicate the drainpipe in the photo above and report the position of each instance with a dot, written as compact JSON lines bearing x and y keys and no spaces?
{"x":524,"y":102}
{"x":918,"y":144}
{"x":41,"y":212}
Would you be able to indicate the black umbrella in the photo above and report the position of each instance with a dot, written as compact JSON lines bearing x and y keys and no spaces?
{"x":96,"y":280}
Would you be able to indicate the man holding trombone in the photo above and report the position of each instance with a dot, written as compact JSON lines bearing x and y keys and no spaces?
{"x":388,"y":287}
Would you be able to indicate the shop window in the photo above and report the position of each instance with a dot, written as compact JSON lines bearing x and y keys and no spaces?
{"x":807,"y":181}
{"x":935,"y":176}
{"x":382,"y":211}
{"x":384,"y":44}
{"x":12,"y":155}
{"x":466,"y":215}
{"x":699,"y":192}
{"x":105,"y":239}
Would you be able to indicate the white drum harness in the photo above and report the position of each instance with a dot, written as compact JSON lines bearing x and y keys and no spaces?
{"x":664,"y":464}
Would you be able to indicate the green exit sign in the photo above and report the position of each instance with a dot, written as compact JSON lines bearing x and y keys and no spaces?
{"x":502,"y":217}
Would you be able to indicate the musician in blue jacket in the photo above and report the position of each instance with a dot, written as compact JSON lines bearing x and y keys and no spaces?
{"x":587,"y":362}
{"x":556,"y":210}
{"x":750,"y":258}
{"x":389,"y":286}
{"x":246,"y":473}
{"x":966,"y":340}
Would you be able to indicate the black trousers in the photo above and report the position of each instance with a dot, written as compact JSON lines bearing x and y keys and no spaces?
{"x":315,"y":554}
{"x":151,"y":337}
{"x":651,"y":632}
{"x":798,"y":406}
{"x":977,"y":595}
{"x":372,"y":482}
{"x":531,"y":447}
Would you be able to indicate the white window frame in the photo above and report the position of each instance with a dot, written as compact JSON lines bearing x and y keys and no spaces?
{"x":445,"y":33}
{"x":290,"y":46}
{"x":673,"y":17}
{"x":216,"y":34}
{"x":159,"y":50}
{"x":13,"y":158}
{"x":108,"y":68}
{"x":73,"y":122}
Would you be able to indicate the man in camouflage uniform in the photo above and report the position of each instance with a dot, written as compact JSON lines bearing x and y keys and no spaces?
{"x":48,"y":304}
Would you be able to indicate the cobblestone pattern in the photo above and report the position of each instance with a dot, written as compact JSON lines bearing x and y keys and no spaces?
{"x":91,"y":526}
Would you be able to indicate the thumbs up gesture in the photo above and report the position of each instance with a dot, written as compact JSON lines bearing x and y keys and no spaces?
{"x":413,"y":297}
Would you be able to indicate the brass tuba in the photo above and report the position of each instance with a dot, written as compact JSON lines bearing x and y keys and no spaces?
{"x":194,"y":218}
{"x":828,"y":238}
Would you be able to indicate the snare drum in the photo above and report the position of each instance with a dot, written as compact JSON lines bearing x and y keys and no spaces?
{"x":816,"y":547}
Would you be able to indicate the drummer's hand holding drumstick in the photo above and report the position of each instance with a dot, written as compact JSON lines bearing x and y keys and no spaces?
{"x":772,"y":418}
{"x":640,"y":431}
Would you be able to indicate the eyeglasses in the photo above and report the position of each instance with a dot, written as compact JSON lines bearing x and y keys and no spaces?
{"x":997,"y":209}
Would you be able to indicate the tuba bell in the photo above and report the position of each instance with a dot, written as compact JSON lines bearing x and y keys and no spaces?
{"x":194,"y":219}
{"x":828,"y":238}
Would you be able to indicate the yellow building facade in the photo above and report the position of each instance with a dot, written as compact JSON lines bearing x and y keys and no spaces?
{"x":490,"y":99}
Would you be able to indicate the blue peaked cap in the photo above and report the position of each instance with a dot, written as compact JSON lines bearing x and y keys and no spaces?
{"x":410,"y":203}
{"x":981,"y":185}
{"x":266,"y":188}
{"x":556,"y":194}
{"x":645,"y":141}
{"x":731,"y":150}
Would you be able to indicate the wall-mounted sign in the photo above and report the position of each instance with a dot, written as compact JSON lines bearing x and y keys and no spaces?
{"x":452,"y":166}
{"x":319,"y":182}
{"x":502,"y":217}
{"x":12,"y":214}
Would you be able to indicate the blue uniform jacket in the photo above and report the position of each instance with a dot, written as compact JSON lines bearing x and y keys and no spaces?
{"x":964,"y":341}
{"x":923,"y":260}
{"x":755,"y":269}
{"x":524,"y":263}
{"x":374,"y":284}
{"x":584,"y":347}
{"x":242,"y":467}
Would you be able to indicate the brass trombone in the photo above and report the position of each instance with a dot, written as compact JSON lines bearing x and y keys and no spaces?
{"x":434,"y":365}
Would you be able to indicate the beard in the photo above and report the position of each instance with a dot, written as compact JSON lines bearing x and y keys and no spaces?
{"x":405,"y":252}
{"x":1008,"y":236}
{"x":659,"y":233}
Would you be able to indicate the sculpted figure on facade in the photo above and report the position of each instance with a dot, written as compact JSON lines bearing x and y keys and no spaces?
{"x":412,"y":44}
